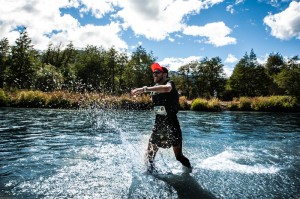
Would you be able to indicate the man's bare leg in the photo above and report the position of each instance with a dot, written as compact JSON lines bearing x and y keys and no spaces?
{"x":151,"y":152}
{"x":180,"y":157}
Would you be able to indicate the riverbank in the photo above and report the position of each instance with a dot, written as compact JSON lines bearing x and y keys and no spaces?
{"x":75,"y":100}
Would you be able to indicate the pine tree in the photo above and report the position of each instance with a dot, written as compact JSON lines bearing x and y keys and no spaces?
{"x":22,"y":70}
{"x":4,"y":57}
{"x":249,"y":78}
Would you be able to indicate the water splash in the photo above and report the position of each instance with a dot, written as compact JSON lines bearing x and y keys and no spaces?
{"x":236,"y":161}
{"x":97,"y":153}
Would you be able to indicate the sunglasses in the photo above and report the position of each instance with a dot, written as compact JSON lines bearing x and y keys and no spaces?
{"x":157,"y":72}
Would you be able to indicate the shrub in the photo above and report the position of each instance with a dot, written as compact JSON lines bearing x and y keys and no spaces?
{"x":125,"y":102}
{"x":233,"y":106}
{"x":48,"y":78}
{"x":142,"y":102}
{"x":204,"y":105}
{"x":59,"y":99}
{"x":245,"y":104}
{"x":214,"y":105}
{"x":30,"y":99}
{"x":274,"y":103}
{"x":3,"y":98}
{"x":183,"y":103}
{"x":199,"y":105}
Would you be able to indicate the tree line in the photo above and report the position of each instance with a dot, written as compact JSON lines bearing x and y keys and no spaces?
{"x":95,"y":69}
{"x":206,"y":78}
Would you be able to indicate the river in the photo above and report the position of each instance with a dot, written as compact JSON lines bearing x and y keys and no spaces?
{"x":95,"y":153}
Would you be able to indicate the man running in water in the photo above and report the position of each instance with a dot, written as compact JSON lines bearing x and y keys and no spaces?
{"x":166,"y":130}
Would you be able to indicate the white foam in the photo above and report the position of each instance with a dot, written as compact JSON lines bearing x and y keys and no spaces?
{"x":228,"y":161}
{"x":103,"y":175}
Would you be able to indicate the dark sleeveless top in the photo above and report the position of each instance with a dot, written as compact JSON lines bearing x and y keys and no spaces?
{"x":169,"y":100}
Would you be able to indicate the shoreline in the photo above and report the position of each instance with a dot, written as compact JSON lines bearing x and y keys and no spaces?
{"x":75,"y":100}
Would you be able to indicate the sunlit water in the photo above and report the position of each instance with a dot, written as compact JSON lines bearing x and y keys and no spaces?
{"x":98,"y":153}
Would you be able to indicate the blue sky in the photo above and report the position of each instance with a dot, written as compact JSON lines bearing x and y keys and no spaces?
{"x":176,"y":31}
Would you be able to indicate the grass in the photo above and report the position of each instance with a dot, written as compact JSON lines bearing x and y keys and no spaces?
{"x":3,"y":98}
{"x":265,"y":104}
{"x":201,"y":104}
{"x":183,"y":103}
{"x":68,"y":100}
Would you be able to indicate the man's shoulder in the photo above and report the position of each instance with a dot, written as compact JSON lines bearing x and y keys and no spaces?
{"x":169,"y":81}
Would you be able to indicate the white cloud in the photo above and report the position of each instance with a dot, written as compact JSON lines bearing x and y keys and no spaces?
{"x":173,"y":63}
{"x":98,"y":8}
{"x":228,"y":70}
{"x":216,"y":33}
{"x":45,"y":22}
{"x":229,"y":64}
{"x":263,"y":59}
{"x":156,"y":19}
{"x":171,"y":39}
{"x":239,"y":1}
{"x":286,"y":24}
{"x":105,"y":36}
{"x":231,"y":59}
{"x":230,"y":9}
{"x":40,"y":15}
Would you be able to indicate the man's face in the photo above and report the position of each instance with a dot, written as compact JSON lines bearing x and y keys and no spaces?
{"x":158,"y":76}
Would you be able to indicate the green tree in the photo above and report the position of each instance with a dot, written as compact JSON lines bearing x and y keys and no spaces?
{"x":115,"y":63}
{"x":213,"y":75}
{"x":4,"y":57}
{"x":54,"y":55}
{"x":275,"y":64}
{"x":249,"y":78}
{"x":184,"y":82}
{"x":68,"y":55}
{"x":48,"y":78}
{"x":67,"y":68}
{"x":289,"y":78}
{"x":120,"y":72}
{"x":22,"y":70}
{"x":111,"y":64}
{"x":138,"y":72}
{"x":205,"y":78}
{"x":64,"y":60}
{"x":90,"y":69}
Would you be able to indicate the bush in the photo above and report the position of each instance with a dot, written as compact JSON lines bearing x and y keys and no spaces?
{"x":275,"y":104}
{"x":30,"y":99}
{"x":3,"y":98}
{"x":268,"y":104}
{"x":204,"y":105}
{"x":214,"y":105}
{"x":64,"y":99}
{"x":59,"y":100}
{"x":245,"y":104}
{"x":142,"y":102}
{"x":48,"y":78}
{"x":233,"y":106}
{"x":183,"y":103}
{"x":199,"y":105}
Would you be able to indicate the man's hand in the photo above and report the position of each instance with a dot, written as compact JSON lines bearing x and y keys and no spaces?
{"x":137,"y":91}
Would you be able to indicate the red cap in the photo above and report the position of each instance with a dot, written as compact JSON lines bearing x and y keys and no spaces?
{"x":156,"y":66}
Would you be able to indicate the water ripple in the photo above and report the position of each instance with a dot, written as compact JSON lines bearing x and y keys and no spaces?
{"x":95,"y":153}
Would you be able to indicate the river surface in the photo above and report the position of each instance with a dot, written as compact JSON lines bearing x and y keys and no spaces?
{"x":95,"y":153}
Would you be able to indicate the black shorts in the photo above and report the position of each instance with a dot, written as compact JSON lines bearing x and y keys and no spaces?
{"x":166,"y":132}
